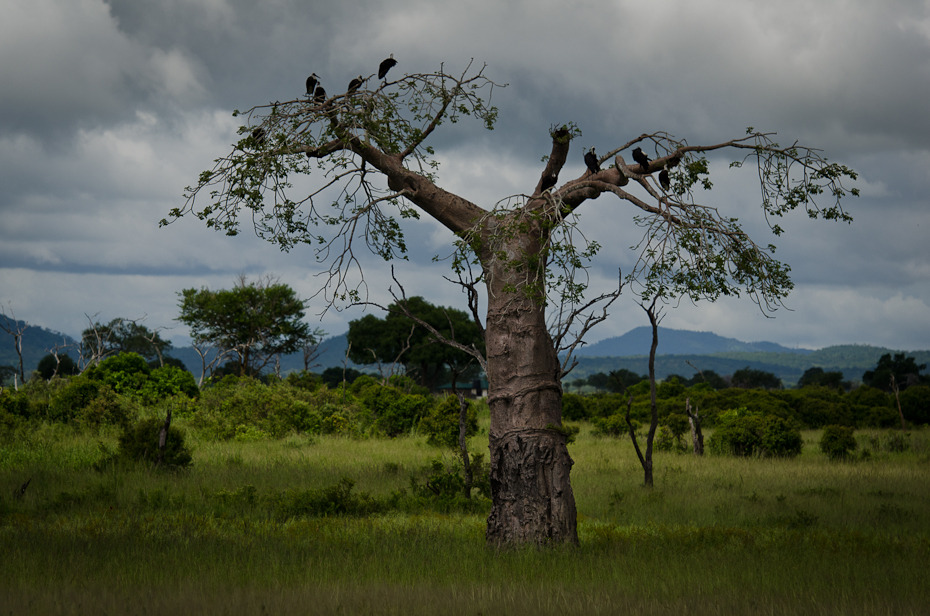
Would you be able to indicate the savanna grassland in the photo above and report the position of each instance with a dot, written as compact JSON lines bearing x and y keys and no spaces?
{"x":336,"y":525}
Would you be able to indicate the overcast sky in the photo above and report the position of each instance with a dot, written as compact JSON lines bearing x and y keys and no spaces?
{"x":109,"y":109}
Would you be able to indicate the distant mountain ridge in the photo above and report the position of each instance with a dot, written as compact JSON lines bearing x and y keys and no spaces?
{"x":677,"y":342}
{"x":680,"y":352}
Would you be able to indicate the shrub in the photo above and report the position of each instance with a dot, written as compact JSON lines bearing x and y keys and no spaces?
{"x":915,"y":404}
{"x":441,"y":422}
{"x":139,"y":443}
{"x":78,"y":392}
{"x":573,"y":407}
{"x":837,"y":442}
{"x":168,"y":381}
{"x":107,"y":408}
{"x":395,"y":412}
{"x":125,"y":373}
{"x":744,"y":433}
{"x":615,"y":425}
{"x":664,"y":439}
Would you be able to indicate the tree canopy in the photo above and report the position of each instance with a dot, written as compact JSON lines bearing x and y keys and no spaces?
{"x":399,"y":338}
{"x":253,"y":321}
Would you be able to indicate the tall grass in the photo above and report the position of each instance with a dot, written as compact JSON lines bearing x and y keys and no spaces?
{"x":715,"y":536}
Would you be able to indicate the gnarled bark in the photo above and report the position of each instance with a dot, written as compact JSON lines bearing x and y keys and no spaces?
{"x":532,"y":499}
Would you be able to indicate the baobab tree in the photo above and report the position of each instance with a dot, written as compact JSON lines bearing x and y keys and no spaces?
{"x":369,"y":153}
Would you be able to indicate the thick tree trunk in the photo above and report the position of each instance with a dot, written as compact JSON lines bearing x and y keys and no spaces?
{"x":532,"y":499}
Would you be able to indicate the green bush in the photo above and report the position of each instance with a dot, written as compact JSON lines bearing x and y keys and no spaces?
{"x":395,"y":412}
{"x":68,"y":402}
{"x":441,"y":422}
{"x":573,"y":407}
{"x":125,"y":373}
{"x":744,"y":433}
{"x":837,"y":442}
{"x":168,"y":381}
{"x":915,"y":404}
{"x":139,"y":443}
{"x":107,"y":408}
{"x":614,"y":425}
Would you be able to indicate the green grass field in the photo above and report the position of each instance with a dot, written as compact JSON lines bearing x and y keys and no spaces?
{"x":715,"y":536}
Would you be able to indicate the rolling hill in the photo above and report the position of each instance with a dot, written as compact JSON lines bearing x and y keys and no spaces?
{"x":680,"y":352}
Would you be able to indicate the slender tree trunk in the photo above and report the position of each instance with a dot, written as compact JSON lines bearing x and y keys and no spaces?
{"x":463,"y":443}
{"x":532,"y":499}
{"x":697,"y":436}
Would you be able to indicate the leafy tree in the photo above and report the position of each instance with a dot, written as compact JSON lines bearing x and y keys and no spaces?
{"x":57,"y":365}
{"x":332,"y":377}
{"x":750,"y":378}
{"x":837,"y":441}
{"x":120,"y":335}
{"x":816,"y":377}
{"x":904,"y":369}
{"x":254,"y":320}
{"x":376,"y":168}
{"x":399,"y":338}
{"x":619,"y":380}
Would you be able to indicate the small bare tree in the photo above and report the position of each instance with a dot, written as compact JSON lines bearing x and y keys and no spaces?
{"x":645,"y":458}
{"x":16,"y":329}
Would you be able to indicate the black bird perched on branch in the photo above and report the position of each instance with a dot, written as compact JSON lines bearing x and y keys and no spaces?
{"x":354,"y":85}
{"x":312,"y":80}
{"x":640,"y":157}
{"x":664,"y":180}
{"x":386,"y":65}
{"x":259,"y":135}
{"x":319,"y":95}
{"x":590,"y":161}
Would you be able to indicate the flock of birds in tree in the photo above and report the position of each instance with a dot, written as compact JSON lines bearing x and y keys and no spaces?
{"x":318,"y":94}
{"x":591,"y":162}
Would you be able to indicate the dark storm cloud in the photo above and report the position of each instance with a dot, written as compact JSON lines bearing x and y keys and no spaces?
{"x":110,"y":108}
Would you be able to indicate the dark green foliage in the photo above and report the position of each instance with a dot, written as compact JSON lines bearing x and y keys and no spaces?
{"x":125,"y":373}
{"x":817,"y":406}
{"x":398,"y":338}
{"x":441,"y":487}
{"x":816,"y":377}
{"x":139,"y":443}
{"x":166,"y":382}
{"x":915,"y":404}
{"x":750,"y":378}
{"x":441,"y":422}
{"x":66,"y":403}
{"x":615,"y":425}
{"x":677,"y":425}
{"x":245,"y":408}
{"x":304,"y":380}
{"x":574,"y":407}
{"x":669,"y":388}
{"x":258,"y":319}
{"x":905,"y":371}
{"x":872,"y":407}
{"x":395,"y":412}
{"x":123,"y":336}
{"x":63,"y":365}
{"x":619,"y":380}
{"x":333,"y":377}
{"x":335,"y":500}
{"x":745,"y":433}
{"x":837,"y":442}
